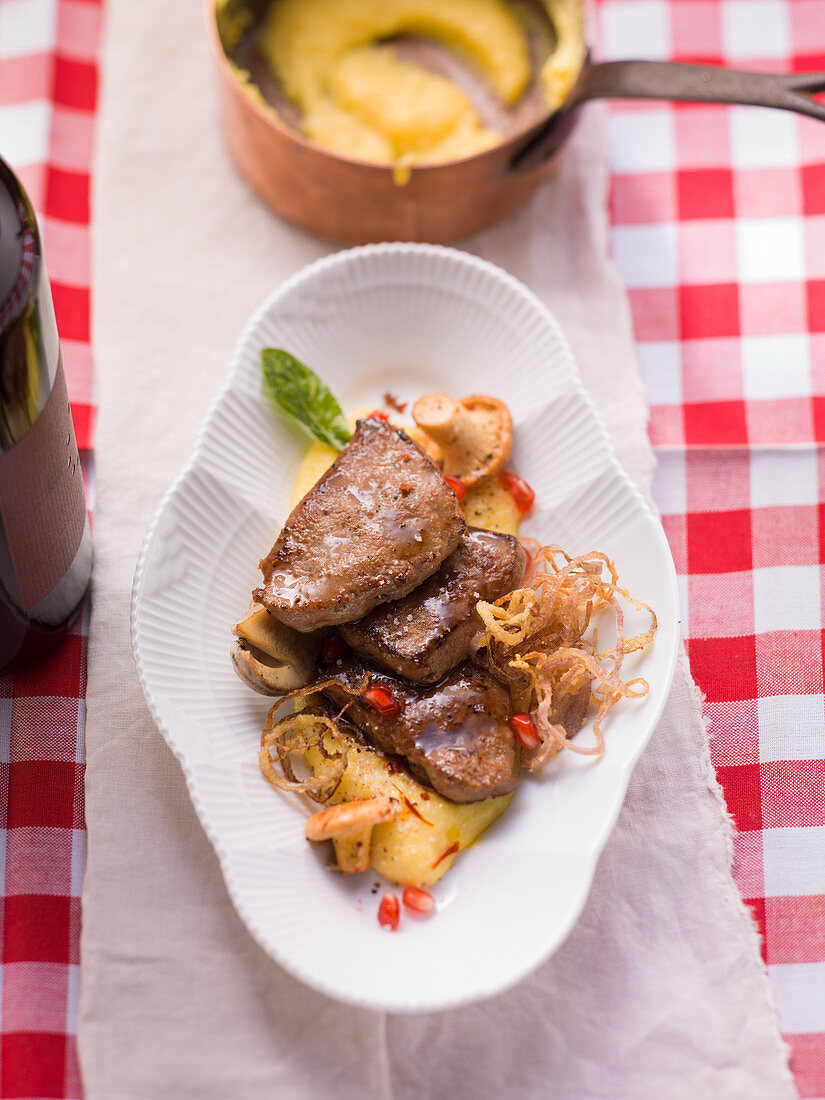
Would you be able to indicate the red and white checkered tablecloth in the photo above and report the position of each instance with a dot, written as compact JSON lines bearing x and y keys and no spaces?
{"x":719,"y":233}
{"x":48,"y":97}
{"x":718,"y":218}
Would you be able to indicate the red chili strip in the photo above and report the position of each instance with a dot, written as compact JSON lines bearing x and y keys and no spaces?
{"x":523,"y":496}
{"x":449,"y":852}
{"x":393,"y":402}
{"x":457,"y":486}
{"x":412,"y":808}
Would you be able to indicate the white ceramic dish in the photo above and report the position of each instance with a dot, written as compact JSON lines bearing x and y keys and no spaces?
{"x":410,"y":319}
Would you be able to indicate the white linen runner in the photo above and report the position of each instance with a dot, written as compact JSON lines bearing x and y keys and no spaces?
{"x":659,"y":990}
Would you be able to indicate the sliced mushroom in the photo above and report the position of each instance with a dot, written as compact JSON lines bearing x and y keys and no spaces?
{"x":425,"y":443}
{"x":474,"y":435}
{"x":272,"y":658}
{"x":349,"y":826}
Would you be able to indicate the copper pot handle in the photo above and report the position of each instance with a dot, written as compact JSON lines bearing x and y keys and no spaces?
{"x":677,"y":81}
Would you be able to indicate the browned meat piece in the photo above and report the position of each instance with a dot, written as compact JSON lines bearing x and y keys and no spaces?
{"x":454,"y":736}
{"x":429,"y":632}
{"x":570,"y":706}
{"x":378,"y":523}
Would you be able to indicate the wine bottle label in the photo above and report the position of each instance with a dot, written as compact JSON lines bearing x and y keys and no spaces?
{"x":42,"y":504}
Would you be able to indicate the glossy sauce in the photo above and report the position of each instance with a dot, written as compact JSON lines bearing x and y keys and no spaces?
{"x":474,"y":571}
{"x":452,"y":717}
{"x":454,"y":735}
{"x":383,"y":512}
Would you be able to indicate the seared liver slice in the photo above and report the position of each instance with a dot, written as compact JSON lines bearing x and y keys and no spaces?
{"x":570,"y":710}
{"x":454,"y":736}
{"x":378,"y":523}
{"x":429,"y":632}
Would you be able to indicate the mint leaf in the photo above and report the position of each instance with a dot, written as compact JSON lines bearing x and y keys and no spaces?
{"x":301,"y":393}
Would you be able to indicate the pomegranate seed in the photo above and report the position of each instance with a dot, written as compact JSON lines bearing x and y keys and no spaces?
{"x":389,"y":912}
{"x":376,"y":414}
{"x":420,"y":901}
{"x":333,"y":648}
{"x":382,"y":699}
{"x":458,"y":487}
{"x":525,"y":730}
{"x":523,"y":496}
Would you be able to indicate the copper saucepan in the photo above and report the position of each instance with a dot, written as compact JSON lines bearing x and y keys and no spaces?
{"x":356,"y":202}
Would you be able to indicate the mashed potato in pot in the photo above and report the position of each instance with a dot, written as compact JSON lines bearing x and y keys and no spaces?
{"x":335,"y":61}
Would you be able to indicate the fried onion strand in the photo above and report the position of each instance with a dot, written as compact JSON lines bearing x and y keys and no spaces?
{"x":536,"y":639}
{"x":298,"y":733}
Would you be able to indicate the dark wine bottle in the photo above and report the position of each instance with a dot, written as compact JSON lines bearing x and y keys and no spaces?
{"x":45,"y":539}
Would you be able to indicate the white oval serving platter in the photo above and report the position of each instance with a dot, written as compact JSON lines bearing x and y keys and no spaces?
{"x":409,"y":319}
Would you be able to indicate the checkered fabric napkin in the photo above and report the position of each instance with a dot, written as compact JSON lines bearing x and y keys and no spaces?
{"x":719,"y":234}
{"x":48,"y":94}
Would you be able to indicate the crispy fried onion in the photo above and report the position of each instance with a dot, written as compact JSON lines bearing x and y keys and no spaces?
{"x":537,"y":639}
{"x":296,"y":734}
